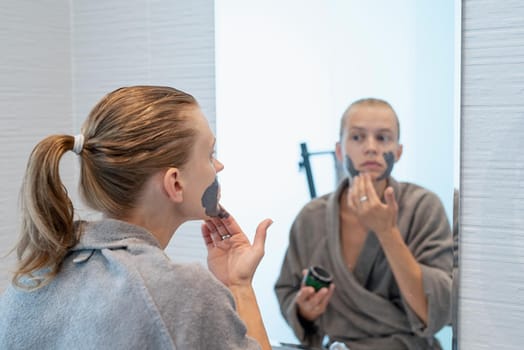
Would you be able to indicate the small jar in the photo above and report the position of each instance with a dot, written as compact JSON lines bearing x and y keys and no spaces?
{"x":317,"y":277}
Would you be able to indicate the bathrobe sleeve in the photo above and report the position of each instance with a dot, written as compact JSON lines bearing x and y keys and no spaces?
{"x":307,"y":231}
{"x":429,"y":239}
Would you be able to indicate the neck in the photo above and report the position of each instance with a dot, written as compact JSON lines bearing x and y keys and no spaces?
{"x":158,"y":226}
{"x":155,"y":212}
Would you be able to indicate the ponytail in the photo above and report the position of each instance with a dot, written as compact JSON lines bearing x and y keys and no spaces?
{"x":128,"y":136}
{"x":47,"y":229}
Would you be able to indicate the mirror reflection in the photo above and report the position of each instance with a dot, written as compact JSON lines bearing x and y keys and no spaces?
{"x":307,"y":64}
{"x":284,"y":74}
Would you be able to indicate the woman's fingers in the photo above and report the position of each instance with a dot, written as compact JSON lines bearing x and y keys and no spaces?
{"x":225,"y":224}
{"x":216,"y":233}
{"x":206,"y":234}
{"x":325,"y":299}
{"x":312,"y":304}
{"x":261,"y":233}
{"x":369,"y":189}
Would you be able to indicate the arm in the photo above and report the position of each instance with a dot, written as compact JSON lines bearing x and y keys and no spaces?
{"x":420,"y":269}
{"x":234,"y":261}
{"x":247,"y":308}
{"x":406,"y":270}
{"x":288,"y":284}
{"x":429,"y":238}
{"x":290,"y":291}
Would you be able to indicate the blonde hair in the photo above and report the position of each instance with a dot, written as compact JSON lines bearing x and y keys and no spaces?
{"x":130,"y":134}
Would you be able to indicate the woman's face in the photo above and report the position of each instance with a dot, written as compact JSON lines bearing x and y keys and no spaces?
{"x":371,"y":133}
{"x":202,"y":191}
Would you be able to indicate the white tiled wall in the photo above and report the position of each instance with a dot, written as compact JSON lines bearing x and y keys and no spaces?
{"x":158,"y":42}
{"x":60,"y":57}
{"x":491,"y":302}
{"x":35,"y":98}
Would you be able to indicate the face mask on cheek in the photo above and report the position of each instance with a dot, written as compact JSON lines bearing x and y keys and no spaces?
{"x":210,"y":201}
{"x":349,"y":167}
{"x":389,"y":158}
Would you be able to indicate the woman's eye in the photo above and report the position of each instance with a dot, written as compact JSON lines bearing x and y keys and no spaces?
{"x":355,"y":137}
{"x":383,"y":138}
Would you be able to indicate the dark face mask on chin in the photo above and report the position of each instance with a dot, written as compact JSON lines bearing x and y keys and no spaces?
{"x":389,"y":158}
{"x":210,"y":201}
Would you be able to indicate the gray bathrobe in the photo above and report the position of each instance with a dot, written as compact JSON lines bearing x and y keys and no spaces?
{"x":367,"y":310}
{"x":118,"y":290}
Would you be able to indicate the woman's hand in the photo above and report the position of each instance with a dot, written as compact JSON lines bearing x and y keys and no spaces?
{"x":375,"y":215}
{"x":312,"y":304}
{"x":230,"y":255}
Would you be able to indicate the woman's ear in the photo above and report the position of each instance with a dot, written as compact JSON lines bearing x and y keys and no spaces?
{"x":398,"y":152}
{"x":173,"y":185}
{"x":338,"y":151}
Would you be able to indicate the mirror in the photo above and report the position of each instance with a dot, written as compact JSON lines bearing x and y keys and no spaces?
{"x":285,"y":73}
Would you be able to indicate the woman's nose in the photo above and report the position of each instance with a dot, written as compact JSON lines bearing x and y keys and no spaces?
{"x":370,"y":145}
{"x":218,"y":166}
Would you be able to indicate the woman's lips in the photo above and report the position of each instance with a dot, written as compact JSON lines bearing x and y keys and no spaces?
{"x":371,"y":166}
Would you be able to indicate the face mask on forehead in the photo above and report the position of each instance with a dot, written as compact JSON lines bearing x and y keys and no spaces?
{"x":389,"y":158}
{"x":210,"y":201}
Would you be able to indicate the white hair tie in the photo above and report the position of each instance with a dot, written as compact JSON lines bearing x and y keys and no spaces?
{"x":79,"y":143}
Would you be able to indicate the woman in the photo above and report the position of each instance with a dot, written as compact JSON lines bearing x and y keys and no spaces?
{"x":148,"y":165}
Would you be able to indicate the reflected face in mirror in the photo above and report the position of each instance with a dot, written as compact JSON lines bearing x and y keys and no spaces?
{"x":338,"y":60}
{"x":369,"y":139}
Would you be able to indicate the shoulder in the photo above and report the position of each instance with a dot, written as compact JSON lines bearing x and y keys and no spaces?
{"x":148,"y":268}
{"x":184,"y":290}
{"x":314,"y":206}
{"x":156,"y":268}
{"x":312,"y":214}
{"x":421,"y":212}
{"x":195,"y":275}
{"x":318,"y":206}
{"x":413,"y":195}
